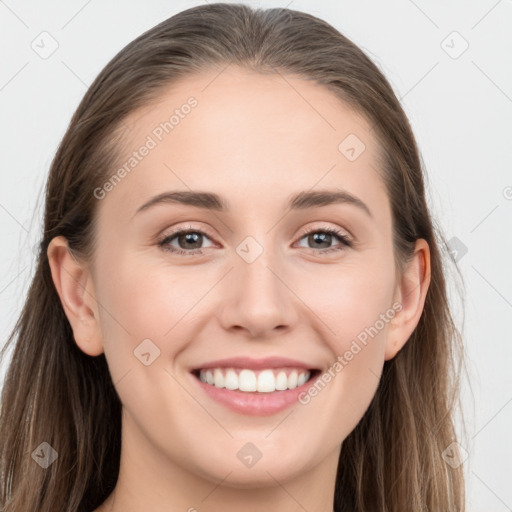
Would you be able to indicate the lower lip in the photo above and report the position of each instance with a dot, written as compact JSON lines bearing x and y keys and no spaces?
{"x":254,"y":403}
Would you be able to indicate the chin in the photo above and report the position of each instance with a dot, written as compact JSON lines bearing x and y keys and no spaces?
{"x":261,"y":474}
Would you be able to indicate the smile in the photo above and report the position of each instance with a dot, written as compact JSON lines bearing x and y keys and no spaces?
{"x":264,"y":381}
{"x":250,"y":386}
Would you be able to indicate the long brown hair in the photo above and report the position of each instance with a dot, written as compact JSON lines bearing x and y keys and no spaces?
{"x":54,"y":393}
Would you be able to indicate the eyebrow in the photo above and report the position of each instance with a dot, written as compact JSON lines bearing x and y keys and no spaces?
{"x":301,"y":201}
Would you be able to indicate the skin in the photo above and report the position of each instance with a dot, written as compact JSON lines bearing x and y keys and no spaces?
{"x":255,"y":140}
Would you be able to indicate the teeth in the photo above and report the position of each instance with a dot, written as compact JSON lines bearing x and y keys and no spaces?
{"x":218,"y":378}
{"x":292,"y":380}
{"x":281,"y":381}
{"x":247,"y":380}
{"x":265,"y":381}
{"x":231,"y":380}
{"x":301,"y":379}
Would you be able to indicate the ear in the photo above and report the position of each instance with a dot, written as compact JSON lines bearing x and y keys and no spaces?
{"x":74,"y":285}
{"x":411,"y":292}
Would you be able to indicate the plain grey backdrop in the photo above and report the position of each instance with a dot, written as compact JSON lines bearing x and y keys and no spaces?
{"x":449,"y":63}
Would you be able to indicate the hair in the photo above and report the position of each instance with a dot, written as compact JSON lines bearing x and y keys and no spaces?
{"x":53,"y":392}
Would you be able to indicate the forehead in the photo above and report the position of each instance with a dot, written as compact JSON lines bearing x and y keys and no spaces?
{"x":246,"y":135}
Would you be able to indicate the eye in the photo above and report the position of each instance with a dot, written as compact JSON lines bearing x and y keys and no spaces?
{"x":324,"y":236}
{"x":189,"y":239}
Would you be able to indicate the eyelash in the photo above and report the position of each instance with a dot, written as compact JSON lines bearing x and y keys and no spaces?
{"x":344,"y":239}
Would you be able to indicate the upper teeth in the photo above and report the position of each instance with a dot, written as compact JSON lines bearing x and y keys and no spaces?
{"x":264,"y":381}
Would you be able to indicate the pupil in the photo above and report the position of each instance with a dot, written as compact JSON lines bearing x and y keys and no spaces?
{"x":322,"y":236}
{"x":191,"y":237}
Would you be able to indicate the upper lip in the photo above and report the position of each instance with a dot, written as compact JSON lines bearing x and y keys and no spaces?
{"x":253,"y":364}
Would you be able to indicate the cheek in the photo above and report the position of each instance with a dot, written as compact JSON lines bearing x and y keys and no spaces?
{"x":140,"y":303}
{"x":148,"y":301}
{"x":352,"y":306}
{"x":351,"y":301}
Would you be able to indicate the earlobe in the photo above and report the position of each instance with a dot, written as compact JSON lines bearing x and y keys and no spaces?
{"x":74,"y":286}
{"x":411,"y":294}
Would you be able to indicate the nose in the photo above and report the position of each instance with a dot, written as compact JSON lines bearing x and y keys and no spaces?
{"x":257,"y":299}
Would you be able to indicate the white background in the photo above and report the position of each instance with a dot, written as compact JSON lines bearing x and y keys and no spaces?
{"x":460,"y":109}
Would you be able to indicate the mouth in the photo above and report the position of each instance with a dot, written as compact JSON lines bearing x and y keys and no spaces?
{"x":245,"y":380}
{"x":257,"y":387}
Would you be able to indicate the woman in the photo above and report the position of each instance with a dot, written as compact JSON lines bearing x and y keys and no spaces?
{"x":255,"y":368}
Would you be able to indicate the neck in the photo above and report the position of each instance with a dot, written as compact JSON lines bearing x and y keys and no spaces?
{"x":151,"y":480}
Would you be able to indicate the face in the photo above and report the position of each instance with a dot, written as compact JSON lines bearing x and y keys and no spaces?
{"x":301,"y":285}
